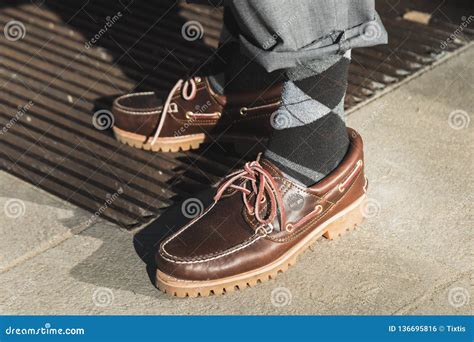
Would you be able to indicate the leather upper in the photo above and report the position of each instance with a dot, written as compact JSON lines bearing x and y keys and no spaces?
{"x":227,"y":239}
{"x":245,"y":113}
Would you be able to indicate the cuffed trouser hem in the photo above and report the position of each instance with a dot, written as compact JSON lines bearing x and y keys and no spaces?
{"x":367,"y":34}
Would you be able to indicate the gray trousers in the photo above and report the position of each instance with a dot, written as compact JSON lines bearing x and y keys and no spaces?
{"x":280,"y":34}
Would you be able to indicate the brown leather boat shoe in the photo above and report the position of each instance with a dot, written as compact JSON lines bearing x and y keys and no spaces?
{"x":192,"y":114}
{"x":258,"y":224}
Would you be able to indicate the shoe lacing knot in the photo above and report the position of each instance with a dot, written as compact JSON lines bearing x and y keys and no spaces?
{"x":254,"y":179}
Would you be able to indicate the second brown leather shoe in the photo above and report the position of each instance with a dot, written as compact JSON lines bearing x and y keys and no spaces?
{"x":258,"y":224}
{"x":191,"y":114}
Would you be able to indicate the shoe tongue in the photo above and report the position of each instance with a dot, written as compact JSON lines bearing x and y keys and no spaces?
{"x":281,"y":183}
{"x":280,"y":178}
{"x":271,"y":168}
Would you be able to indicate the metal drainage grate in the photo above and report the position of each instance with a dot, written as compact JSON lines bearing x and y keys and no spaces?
{"x":52,"y":84}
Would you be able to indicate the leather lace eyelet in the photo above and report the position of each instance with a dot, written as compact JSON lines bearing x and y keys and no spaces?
{"x":264,"y":232}
{"x":173,"y":108}
{"x":243,"y":111}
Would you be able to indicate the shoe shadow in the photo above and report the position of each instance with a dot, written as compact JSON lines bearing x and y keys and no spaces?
{"x":123,"y":255}
{"x":125,"y":260}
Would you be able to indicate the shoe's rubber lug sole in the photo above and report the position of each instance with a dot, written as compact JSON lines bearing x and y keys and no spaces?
{"x":338,"y":225}
{"x":176,"y":144}
{"x":171,"y":144}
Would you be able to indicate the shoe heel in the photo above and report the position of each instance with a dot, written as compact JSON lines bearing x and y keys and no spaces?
{"x":345,"y":223}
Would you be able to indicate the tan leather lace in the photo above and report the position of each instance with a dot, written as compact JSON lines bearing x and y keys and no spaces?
{"x":262,"y":184}
{"x":186,"y":93}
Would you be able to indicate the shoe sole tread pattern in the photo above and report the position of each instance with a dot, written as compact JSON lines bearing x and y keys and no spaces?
{"x":171,"y":144}
{"x":177,"y":144}
{"x":183,"y":288}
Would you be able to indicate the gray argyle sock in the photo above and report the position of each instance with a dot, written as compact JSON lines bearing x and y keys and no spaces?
{"x":310,"y":136}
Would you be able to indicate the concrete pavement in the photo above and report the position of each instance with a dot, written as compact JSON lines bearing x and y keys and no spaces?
{"x":413,"y":254}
